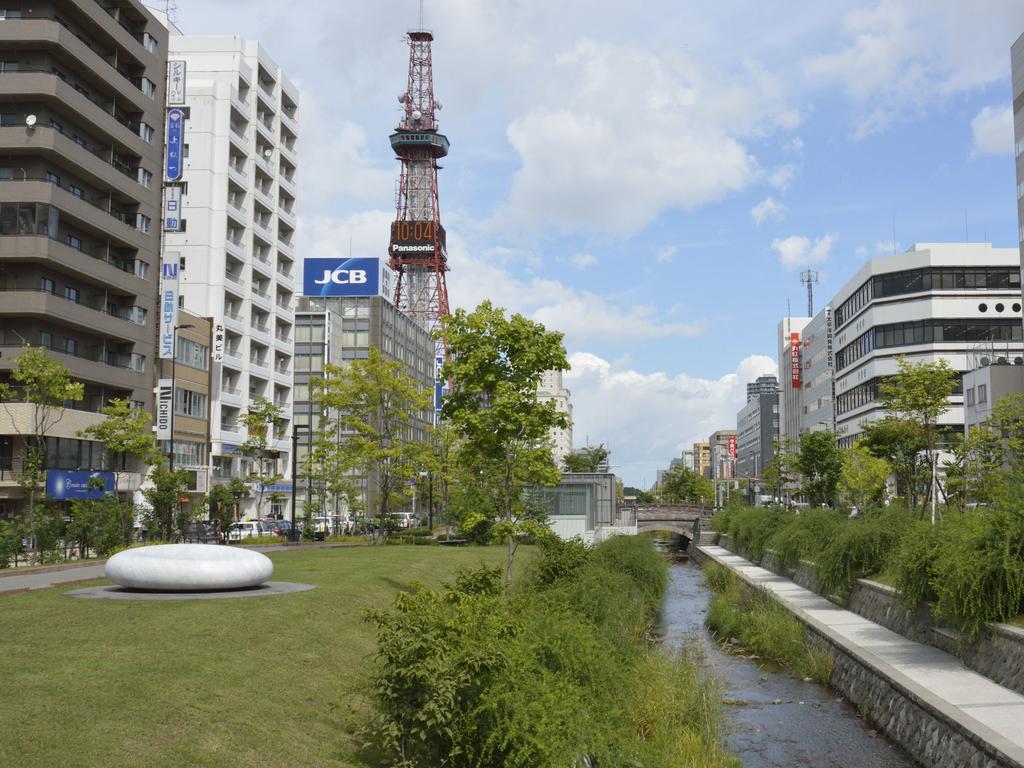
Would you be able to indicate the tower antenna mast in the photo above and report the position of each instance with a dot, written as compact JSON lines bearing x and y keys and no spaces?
{"x":809,"y":277}
{"x":418,"y":248}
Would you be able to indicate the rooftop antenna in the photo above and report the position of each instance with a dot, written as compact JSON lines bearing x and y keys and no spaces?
{"x":893,"y":231}
{"x":809,"y":277}
{"x":421,"y":14}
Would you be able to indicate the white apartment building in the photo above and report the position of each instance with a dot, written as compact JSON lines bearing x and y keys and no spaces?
{"x":1017,"y":76}
{"x":817,"y":366}
{"x":934,"y":302}
{"x":237,"y":247}
{"x":551,"y":388}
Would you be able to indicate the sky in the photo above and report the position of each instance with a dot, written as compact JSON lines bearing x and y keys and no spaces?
{"x":649,"y":178}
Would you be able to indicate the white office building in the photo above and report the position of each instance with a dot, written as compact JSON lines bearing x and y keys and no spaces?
{"x":551,"y":388}
{"x":934,"y":302}
{"x":237,"y":245}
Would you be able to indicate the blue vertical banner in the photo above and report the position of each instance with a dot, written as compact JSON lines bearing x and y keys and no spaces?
{"x":438,"y":383}
{"x":175,"y":136}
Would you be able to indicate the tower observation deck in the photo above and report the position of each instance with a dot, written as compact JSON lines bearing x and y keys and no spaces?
{"x":418,"y":248}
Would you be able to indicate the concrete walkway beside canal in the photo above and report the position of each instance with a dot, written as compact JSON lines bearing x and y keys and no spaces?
{"x":987,"y":711}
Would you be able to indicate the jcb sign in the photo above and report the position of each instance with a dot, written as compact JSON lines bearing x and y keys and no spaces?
{"x":341,"y":277}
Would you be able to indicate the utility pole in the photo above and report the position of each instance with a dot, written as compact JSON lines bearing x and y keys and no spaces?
{"x":809,"y":277}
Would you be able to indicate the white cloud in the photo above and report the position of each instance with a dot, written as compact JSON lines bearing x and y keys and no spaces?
{"x":877,"y":248}
{"x":622,"y":134}
{"x":797,"y":251}
{"x":666,"y":254}
{"x":782,"y":176}
{"x":768,"y":209}
{"x":901,"y":58}
{"x":656,"y":415}
{"x":992,"y":132}
{"x":583,"y":260}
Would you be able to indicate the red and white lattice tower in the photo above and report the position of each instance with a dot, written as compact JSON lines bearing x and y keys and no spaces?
{"x":418,"y":250}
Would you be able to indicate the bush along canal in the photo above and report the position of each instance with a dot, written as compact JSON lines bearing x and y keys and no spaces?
{"x":773,"y":718}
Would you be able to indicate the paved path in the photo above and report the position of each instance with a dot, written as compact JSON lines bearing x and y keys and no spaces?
{"x":50,"y":578}
{"x":994,"y":713}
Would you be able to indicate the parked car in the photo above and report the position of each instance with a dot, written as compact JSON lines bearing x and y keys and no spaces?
{"x":246,"y":529}
{"x":201,"y":533}
{"x":281,"y":528}
{"x":404,"y":519}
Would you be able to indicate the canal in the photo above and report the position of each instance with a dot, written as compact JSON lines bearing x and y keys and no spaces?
{"x":773,"y":720}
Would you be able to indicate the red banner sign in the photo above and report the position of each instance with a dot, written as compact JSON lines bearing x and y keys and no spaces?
{"x":732,"y":447}
{"x":794,"y":359}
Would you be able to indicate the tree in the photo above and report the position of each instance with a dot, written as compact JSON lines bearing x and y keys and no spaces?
{"x":781,"y":473}
{"x":103,"y":525}
{"x":682,"y":485}
{"x":645,"y":497}
{"x":991,"y":457}
{"x":261,"y":418}
{"x":165,"y":513}
{"x":46,"y":385}
{"x":495,"y":363}
{"x":819,"y":463}
{"x":919,"y":393}
{"x":900,"y":442}
{"x":863,"y":477}
{"x":586,"y":460}
{"x":126,"y":429}
{"x":222,"y":502}
{"x":376,"y":407}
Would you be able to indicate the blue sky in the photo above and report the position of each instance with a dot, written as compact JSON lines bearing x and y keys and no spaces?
{"x":649,"y":178}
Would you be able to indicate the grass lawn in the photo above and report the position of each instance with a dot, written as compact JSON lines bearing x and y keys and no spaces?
{"x":271,"y":681}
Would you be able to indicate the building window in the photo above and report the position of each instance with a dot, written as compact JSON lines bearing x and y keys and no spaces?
{"x":76,"y":191}
{"x":6,"y":174}
{"x":9,"y":66}
{"x":149,"y":42}
{"x":6,"y":15}
{"x":74,"y":242}
{"x":79,"y":141}
{"x":53,"y":178}
{"x":71,"y":294}
{"x":71,"y":347}
{"x":144,"y":223}
{"x":56,"y":126}
{"x":969,"y":396}
{"x":46,"y":339}
{"x":982,"y":393}
{"x":145,"y":178}
{"x":46,"y":285}
{"x":189,"y":403}
{"x":193,"y":354}
{"x":147,"y":87}
{"x":146,"y":132}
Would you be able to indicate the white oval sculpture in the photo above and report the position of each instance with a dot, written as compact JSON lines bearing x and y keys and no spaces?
{"x":188,"y":568}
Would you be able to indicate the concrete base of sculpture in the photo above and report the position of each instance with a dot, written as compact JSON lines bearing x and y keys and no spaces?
{"x":124,"y":593}
{"x":188,"y":568}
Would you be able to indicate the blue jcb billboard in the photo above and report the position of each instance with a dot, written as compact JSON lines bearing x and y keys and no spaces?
{"x":341,"y":277}
{"x":73,"y":484}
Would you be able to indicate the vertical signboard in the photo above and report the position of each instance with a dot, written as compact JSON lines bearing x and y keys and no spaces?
{"x":175,"y":140}
{"x":175,"y":83}
{"x":169,"y":266}
{"x":164,"y":403}
{"x":172,"y":208}
{"x":794,"y":359}
{"x":732,"y":447}
{"x":830,"y":362}
{"x":438,"y":383}
{"x":217,"y":343}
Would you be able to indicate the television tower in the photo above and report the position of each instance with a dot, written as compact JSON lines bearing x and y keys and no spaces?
{"x":418,"y":249}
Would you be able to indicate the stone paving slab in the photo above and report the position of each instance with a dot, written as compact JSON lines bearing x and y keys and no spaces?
{"x":992,"y":712}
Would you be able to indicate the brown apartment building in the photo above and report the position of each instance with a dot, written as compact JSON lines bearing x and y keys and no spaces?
{"x":81,"y":147}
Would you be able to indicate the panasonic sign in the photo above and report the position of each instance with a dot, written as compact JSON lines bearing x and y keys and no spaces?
{"x":341,"y":277}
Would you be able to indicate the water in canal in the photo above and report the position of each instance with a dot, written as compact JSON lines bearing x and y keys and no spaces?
{"x":811,"y":727}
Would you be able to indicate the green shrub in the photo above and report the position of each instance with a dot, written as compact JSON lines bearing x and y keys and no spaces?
{"x":750,"y":528}
{"x":802,"y":536}
{"x":560,"y":559}
{"x":754,"y":620}
{"x":913,"y":563}
{"x":11,"y":534}
{"x":468,"y":676}
{"x":978,"y":570}
{"x":860,"y":546}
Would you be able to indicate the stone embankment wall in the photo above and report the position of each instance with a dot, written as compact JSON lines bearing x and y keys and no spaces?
{"x":923,"y":725}
{"x":997,"y":652}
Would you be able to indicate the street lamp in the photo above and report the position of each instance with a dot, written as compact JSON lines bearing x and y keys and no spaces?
{"x":174,"y":369}
{"x":292,"y":534}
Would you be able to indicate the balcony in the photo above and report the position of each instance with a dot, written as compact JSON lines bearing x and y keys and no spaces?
{"x":124,"y":323}
{"x":285,"y":247}
{"x":259,"y":366}
{"x":288,"y":118}
{"x":267,"y":131}
{"x":285,"y":215}
{"x":231,"y":396}
{"x":283,"y":342}
{"x":287,"y":184}
{"x":48,"y":31}
{"x":263,"y":195}
{"x":237,"y":212}
{"x":285,"y":279}
{"x":234,"y":321}
{"x":263,"y":231}
{"x":259,"y":333}
{"x":284,"y":312}
{"x":288,"y":153}
{"x":233,"y":359}
{"x":238,"y":138}
{"x":120,"y":371}
{"x":239,"y":104}
{"x":260,"y":299}
{"x":237,"y":172}
{"x":104,"y":269}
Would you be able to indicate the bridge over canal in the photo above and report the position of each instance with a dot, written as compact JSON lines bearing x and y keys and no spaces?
{"x":678,"y":519}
